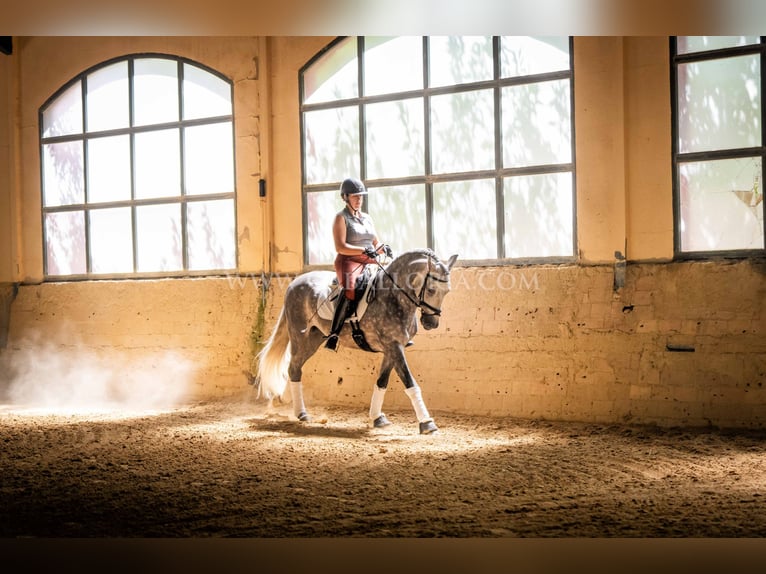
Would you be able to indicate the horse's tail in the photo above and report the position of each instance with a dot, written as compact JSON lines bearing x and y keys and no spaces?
{"x":273,"y":361}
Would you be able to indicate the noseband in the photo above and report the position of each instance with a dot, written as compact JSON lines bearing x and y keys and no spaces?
{"x":421,"y":302}
{"x":434,"y":311}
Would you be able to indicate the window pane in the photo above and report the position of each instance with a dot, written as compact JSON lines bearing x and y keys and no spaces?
{"x":536,"y":124}
{"x":65,"y":243}
{"x":157,"y":164}
{"x":459,"y":59}
{"x":686,"y":44}
{"x":205,"y":94}
{"x":211,"y":233}
{"x":64,"y":115}
{"x":109,"y":169}
{"x":526,"y":55}
{"x":719,"y":104}
{"x":108,"y":103}
{"x":155,"y":90}
{"x":538,"y":215}
{"x":395,"y":140}
{"x":158,"y":229}
{"x":209,"y":161}
{"x":721,"y":205}
{"x":111,"y":240}
{"x":63,"y":182}
{"x":332,"y":144}
{"x":334,"y":76}
{"x":463,"y":132}
{"x":400,"y":214}
{"x":465,"y":219}
{"x":392,"y":64}
{"x":321,"y":208}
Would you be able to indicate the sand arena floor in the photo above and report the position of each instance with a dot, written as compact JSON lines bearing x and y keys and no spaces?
{"x":234,"y":469}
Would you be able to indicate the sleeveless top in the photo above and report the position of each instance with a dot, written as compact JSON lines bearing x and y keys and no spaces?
{"x":359,"y":230}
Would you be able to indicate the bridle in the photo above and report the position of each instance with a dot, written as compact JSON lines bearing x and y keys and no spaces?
{"x":421,"y":302}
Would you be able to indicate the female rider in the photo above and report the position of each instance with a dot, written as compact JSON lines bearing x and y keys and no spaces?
{"x":357,"y":245}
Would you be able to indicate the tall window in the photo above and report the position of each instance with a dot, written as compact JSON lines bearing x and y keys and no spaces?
{"x":465,"y":143}
{"x":718,"y":144}
{"x":138,"y":171}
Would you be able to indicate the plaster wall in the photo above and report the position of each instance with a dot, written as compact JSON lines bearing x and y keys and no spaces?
{"x":7,"y":204}
{"x":673,"y":346}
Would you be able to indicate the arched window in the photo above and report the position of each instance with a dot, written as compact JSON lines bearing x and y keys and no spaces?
{"x":718,"y":145}
{"x":138,"y":171}
{"x":465,"y":144}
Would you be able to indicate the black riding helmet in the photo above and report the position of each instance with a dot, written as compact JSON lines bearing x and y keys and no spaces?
{"x":352,"y":186}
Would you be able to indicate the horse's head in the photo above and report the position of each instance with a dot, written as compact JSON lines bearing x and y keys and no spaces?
{"x":434,"y":286}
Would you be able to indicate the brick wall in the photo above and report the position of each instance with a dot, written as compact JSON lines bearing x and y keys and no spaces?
{"x":677,"y":344}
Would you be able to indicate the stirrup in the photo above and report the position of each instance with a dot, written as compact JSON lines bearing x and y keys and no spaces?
{"x":332,"y":342}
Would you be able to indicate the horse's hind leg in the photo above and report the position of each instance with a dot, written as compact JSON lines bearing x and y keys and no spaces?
{"x":304,"y":350}
{"x":299,"y":407}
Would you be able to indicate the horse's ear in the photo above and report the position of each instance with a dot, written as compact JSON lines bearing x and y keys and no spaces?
{"x":451,"y":261}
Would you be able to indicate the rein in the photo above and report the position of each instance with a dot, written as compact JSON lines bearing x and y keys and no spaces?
{"x":420,"y":302}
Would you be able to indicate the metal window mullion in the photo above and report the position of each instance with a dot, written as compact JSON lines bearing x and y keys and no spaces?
{"x":362,"y":115}
{"x":429,"y":188}
{"x":763,"y":128}
{"x":498,"y":121}
{"x":132,"y":152}
{"x":85,"y":182}
{"x":182,"y":175}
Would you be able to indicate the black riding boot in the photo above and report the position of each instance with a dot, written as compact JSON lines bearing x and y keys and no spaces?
{"x":342,"y":311}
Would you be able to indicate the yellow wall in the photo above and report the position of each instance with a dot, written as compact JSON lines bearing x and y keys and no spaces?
{"x":562,"y":343}
{"x":7,"y":205}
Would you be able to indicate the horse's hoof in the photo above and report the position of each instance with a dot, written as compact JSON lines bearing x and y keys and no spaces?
{"x":428,"y":427}
{"x":381,"y":421}
{"x":304,"y":417}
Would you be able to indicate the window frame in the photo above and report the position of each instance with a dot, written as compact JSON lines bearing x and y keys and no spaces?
{"x":428,"y":179}
{"x":678,"y":158}
{"x":182,"y":199}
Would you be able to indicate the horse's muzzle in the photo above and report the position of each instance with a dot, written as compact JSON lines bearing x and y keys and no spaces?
{"x":429,"y":321}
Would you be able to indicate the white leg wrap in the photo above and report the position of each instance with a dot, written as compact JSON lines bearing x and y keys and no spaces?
{"x":417,"y":403}
{"x":296,"y":390}
{"x":376,"y":404}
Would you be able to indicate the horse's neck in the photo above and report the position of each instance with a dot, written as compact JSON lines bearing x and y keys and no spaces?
{"x":404,"y":262}
{"x":402,"y":268}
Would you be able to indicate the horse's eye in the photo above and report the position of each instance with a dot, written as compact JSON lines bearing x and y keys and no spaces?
{"x":431,"y":291}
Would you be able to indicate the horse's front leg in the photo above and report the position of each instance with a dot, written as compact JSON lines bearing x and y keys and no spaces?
{"x":411,"y":387}
{"x":377,"y":416}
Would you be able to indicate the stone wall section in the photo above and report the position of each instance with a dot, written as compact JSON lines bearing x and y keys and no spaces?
{"x":679,"y":344}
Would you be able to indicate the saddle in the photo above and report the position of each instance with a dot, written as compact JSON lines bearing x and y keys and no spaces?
{"x":364,"y":294}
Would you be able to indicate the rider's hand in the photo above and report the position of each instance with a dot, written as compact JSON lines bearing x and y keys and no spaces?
{"x":388,"y":251}
{"x":370,"y":252}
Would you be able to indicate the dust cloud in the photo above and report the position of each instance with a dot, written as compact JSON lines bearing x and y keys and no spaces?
{"x":72,"y":377}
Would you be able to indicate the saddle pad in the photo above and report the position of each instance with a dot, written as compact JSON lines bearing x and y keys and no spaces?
{"x":327,"y":300}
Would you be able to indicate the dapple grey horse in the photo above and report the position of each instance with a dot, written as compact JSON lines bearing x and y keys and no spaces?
{"x":414,"y":280}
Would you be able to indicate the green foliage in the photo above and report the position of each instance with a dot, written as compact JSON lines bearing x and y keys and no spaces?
{"x":257,"y":331}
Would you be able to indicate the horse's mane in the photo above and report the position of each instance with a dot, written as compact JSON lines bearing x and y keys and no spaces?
{"x":409,"y":256}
